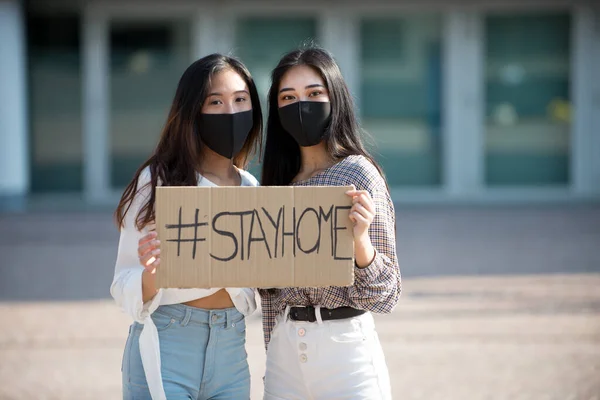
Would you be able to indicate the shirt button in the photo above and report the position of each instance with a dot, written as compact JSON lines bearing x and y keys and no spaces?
{"x":301,"y":332}
{"x":214,"y":318}
{"x":303,"y":358}
{"x":302,"y":346}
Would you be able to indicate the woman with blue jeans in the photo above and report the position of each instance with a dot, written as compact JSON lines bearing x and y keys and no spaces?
{"x":188,"y":343}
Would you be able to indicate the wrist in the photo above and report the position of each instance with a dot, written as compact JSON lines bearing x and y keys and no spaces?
{"x":364,"y":252}
{"x":149,"y":289}
{"x":363,"y":242}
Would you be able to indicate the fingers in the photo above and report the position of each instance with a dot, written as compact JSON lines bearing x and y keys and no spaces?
{"x":151,"y":267}
{"x":147,"y":238}
{"x":363,"y":197}
{"x":148,"y":247}
{"x":365,"y":201}
{"x":362,"y":211}
{"x":151,"y":259}
{"x":355,"y":192}
{"x":358,"y":218}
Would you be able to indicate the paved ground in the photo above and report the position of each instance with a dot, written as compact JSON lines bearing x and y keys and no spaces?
{"x":499,"y":303}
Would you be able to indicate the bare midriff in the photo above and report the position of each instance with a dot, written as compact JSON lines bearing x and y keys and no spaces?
{"x":216,"y":301}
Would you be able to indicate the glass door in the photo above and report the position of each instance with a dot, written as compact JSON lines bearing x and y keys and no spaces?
{"x":146,"y":60}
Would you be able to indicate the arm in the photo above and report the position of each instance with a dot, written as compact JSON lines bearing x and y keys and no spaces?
{"x":377,"y":283}
{"x":132,"y":287}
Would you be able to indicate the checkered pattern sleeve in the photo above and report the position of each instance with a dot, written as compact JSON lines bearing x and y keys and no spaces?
{"x":269,"y":311}
{"x":376,"y":287}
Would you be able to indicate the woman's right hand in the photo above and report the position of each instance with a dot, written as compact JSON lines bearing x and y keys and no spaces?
{"x":149,"y":251}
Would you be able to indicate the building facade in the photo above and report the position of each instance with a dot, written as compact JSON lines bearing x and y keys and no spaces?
{"x":495,"y":101}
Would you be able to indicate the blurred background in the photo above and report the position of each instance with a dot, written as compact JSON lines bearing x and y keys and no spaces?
{"x":485,"y":116}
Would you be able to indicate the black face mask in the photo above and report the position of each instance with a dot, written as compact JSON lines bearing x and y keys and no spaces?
{"x":225,"y":134}
{"x":306,"y":121}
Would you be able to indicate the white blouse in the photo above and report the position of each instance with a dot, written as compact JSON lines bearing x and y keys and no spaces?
{"x":126,"y":287}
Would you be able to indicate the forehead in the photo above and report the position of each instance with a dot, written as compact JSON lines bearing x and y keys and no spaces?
{"x":301,"y":76}
{"x":227,"y":81}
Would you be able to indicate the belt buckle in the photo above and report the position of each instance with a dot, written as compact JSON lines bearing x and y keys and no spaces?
{"x":312,"y":315}
{"x":307,"y":313}
{"x":296,"y":314}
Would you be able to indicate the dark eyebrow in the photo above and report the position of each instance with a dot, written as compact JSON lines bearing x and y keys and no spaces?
{"x":221,"y":94}
{"x":307,"y":87}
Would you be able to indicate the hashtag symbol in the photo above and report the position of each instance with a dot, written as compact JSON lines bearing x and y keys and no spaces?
{"x":180,"y":226}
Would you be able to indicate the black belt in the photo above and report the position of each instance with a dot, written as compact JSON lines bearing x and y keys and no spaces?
{"x":308,"y":314}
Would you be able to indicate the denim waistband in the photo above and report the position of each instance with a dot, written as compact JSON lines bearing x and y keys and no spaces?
{"x":185,"y":314}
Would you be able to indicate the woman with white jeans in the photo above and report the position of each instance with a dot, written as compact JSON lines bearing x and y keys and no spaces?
{"x":321,"y":342}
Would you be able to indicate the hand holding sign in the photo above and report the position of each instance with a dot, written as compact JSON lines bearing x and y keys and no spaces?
{"x":149,"y":257}
{"x":149,"y":251}
{"x":362,"y":214}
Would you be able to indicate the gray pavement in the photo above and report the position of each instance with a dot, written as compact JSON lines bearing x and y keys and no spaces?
{"x":498,"y":303}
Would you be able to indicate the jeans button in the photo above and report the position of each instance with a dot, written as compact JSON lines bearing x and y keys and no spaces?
{"x":302,"y":346}
{"x":214,"y":318}
{"x":303,"y":358}
{"x":301,"y":332}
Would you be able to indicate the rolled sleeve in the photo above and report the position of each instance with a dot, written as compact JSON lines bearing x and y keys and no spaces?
{"x":244,"y":300}
{"x":370,"y":273}
{"x":377,"y":286}
{"x":126,"y":287}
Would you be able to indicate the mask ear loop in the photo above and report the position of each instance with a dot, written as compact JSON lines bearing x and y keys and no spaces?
{"x":196,"y":133}
{"x":327,"y":131}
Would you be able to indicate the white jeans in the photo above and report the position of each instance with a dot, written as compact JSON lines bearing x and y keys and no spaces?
{"x":339,"y":360}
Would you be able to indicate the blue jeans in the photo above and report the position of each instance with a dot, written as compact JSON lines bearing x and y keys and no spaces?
{"x":203,"y":355}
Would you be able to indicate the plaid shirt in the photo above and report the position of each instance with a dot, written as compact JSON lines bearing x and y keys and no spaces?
{"x":377,"y":287}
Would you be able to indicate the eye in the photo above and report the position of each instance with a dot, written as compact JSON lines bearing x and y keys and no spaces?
{"x":315,"y":93}
{"x":240,"y":99}
{"x":287,"y":97}
{"x":215,"y":102}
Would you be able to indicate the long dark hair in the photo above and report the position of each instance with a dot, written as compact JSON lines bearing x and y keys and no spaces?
{"x":343,"y":135}
{"x":177,"y":156}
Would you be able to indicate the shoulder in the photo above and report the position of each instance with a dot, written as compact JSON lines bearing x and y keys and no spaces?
{"x":144,"y":187}
{"x":362,"y":173}
{"x":136,"y":200}
{"x":248,"y":179}
{"x":144,"y":181}
{"x":144,"y":178}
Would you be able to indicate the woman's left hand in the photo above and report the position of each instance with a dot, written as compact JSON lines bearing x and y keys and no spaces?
{"x":361,"y":213}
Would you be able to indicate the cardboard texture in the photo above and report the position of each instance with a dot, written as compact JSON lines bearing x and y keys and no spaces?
{"x":261,"y":237}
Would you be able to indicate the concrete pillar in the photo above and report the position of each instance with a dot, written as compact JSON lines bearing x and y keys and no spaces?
{"x":96,"y":98}
{"x":14,"y":166}
{"x":585,"y":150}
{"x":463,"y":104}
{"x":340,"y":34}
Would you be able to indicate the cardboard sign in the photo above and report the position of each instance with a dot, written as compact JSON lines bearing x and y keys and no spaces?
{"x":261,"y":237}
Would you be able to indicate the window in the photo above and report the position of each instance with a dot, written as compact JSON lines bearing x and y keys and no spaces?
{"x":260,"y":44}
{"x":528,"y":109}
{"x":401,"y":96}
{"x":146,"y":62}
{"x":55,"y":103}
